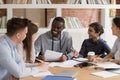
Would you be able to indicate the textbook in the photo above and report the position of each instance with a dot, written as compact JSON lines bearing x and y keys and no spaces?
{"x":58,"y":78}
{"x":68,"y":73}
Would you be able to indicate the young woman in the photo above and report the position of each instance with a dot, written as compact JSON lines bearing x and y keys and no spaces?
{"x":94,"y":43}
{"x":26,"y":48}
{"x":115,"y":52}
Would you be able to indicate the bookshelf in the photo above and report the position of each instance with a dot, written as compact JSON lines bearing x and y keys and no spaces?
{"x":58,"y":6}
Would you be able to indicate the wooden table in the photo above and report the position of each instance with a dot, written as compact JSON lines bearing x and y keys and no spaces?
{"x":83,"y":74}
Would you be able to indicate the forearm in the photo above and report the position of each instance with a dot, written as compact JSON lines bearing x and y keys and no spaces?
{"x":109,"y":56}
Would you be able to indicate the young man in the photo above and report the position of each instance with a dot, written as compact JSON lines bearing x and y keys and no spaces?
{"x":11,"y":64}
{"x":56,"y":40}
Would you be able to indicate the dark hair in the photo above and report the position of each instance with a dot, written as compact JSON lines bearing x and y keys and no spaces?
{"x":60,"y":19}
{"x":116,"y":20}
{"x":16,"y":24}
{"x":27,"y":42}
{"x":97,"y":27}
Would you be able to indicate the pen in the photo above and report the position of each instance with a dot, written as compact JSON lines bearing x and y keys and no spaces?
{"x":39,"y":60}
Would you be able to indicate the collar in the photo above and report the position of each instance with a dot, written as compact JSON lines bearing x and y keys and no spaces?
{"x":10,"y":42}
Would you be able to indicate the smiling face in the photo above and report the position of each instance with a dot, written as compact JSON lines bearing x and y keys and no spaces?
{"x":115,"y":29}
{"x":92,"y":34}
{"x":57,"y":28}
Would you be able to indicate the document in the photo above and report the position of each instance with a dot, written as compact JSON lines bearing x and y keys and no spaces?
{"x":81,"y":59}
{"x":58,"y":78}
{"x":104,"y":74}
{"x":68,"y":73}
{"x":108,"y":65}
{"x":115,"y":71}
{"x":52,"y":55}
{"x":37,"y":73}
{"x":65,"y":64}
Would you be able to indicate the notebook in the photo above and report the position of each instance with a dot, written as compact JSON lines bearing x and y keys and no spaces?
{"x":58,"y":78}
{"x":69,"y":73}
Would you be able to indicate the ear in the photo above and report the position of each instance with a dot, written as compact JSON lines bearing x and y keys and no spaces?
{"x":18,"y":35}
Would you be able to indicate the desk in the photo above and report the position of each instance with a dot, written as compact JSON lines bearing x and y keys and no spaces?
{"x":84,"y":74}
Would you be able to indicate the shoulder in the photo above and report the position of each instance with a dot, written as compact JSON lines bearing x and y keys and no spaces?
{"x":66,"y":34}
{"x":44,"y":35}
{"x":101,"y":40}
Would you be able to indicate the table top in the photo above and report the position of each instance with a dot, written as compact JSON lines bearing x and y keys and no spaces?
{"x":83,"y":74}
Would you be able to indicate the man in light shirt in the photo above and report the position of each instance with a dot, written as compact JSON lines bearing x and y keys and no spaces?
{"x":10,"y":61}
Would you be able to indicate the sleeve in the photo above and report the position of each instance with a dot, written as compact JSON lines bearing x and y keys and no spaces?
{"x":37,"y":46}
{"x":106,"y":47}
{"x":83,"y":49}
{"x":114,"y":49}
{"x":70,"y":49}
{"x":32,"y":57}
{"x":15,"y":68}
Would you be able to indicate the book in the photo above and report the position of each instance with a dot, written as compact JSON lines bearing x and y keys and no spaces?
{"x":57,"y":78}
{"x":68,"y":73}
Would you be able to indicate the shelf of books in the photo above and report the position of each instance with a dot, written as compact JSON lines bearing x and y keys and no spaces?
{"x":77,"y":13}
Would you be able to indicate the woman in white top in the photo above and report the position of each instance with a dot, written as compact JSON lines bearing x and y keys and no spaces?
{"x":26,"y":48}
{"x":115,"y":52}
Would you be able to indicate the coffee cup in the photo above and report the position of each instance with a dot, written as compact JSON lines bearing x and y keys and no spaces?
{"x":91,"y":56}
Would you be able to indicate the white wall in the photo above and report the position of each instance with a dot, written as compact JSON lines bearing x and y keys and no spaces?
{"x":78,"y":35}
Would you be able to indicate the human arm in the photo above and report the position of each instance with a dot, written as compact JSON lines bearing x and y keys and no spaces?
{"x":37,"y":46}
{"x":105,"y":49}
{"x":32,"y":56}
{"x":82,"y":50}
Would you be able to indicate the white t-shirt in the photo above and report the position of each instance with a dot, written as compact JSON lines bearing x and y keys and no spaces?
{"x":116,"y":49}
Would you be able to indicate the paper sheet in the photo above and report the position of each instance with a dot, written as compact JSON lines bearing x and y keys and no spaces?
{"x":108,"y":65}
{"x":37,"y":73}
{"x":104,"y":74}
{"x":52,"y":55}
{"x":81,"y":59}
{"x":68,"y":63}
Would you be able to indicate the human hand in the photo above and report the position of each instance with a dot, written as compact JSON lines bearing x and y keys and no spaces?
{"x":98,"y":60}
{"x":43,"y":66}
{"x":75,"y":54}
{"x":63,"y":58}
{"x":41,"y":57}
{"x":13,"y":78}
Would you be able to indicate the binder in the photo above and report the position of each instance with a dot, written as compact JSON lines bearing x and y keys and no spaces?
{"x":58,"y":78}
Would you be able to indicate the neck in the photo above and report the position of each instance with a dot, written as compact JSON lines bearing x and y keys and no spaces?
{"x":13,"y":38}
{"x":95,"y":39}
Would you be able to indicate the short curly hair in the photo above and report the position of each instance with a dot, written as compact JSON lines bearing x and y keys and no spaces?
{"x":97,"y":27}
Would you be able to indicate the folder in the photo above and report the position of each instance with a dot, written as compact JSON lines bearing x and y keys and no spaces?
{"x":58,"y":78}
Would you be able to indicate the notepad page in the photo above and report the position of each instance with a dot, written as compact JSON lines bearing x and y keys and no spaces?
{"x":104,"y":74}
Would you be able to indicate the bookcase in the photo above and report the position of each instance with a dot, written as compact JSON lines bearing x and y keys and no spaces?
{"x":9,"y":10}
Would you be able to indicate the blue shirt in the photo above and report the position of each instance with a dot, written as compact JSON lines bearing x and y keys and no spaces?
{"x":10,"y":61}
{"x":99,"y":47}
